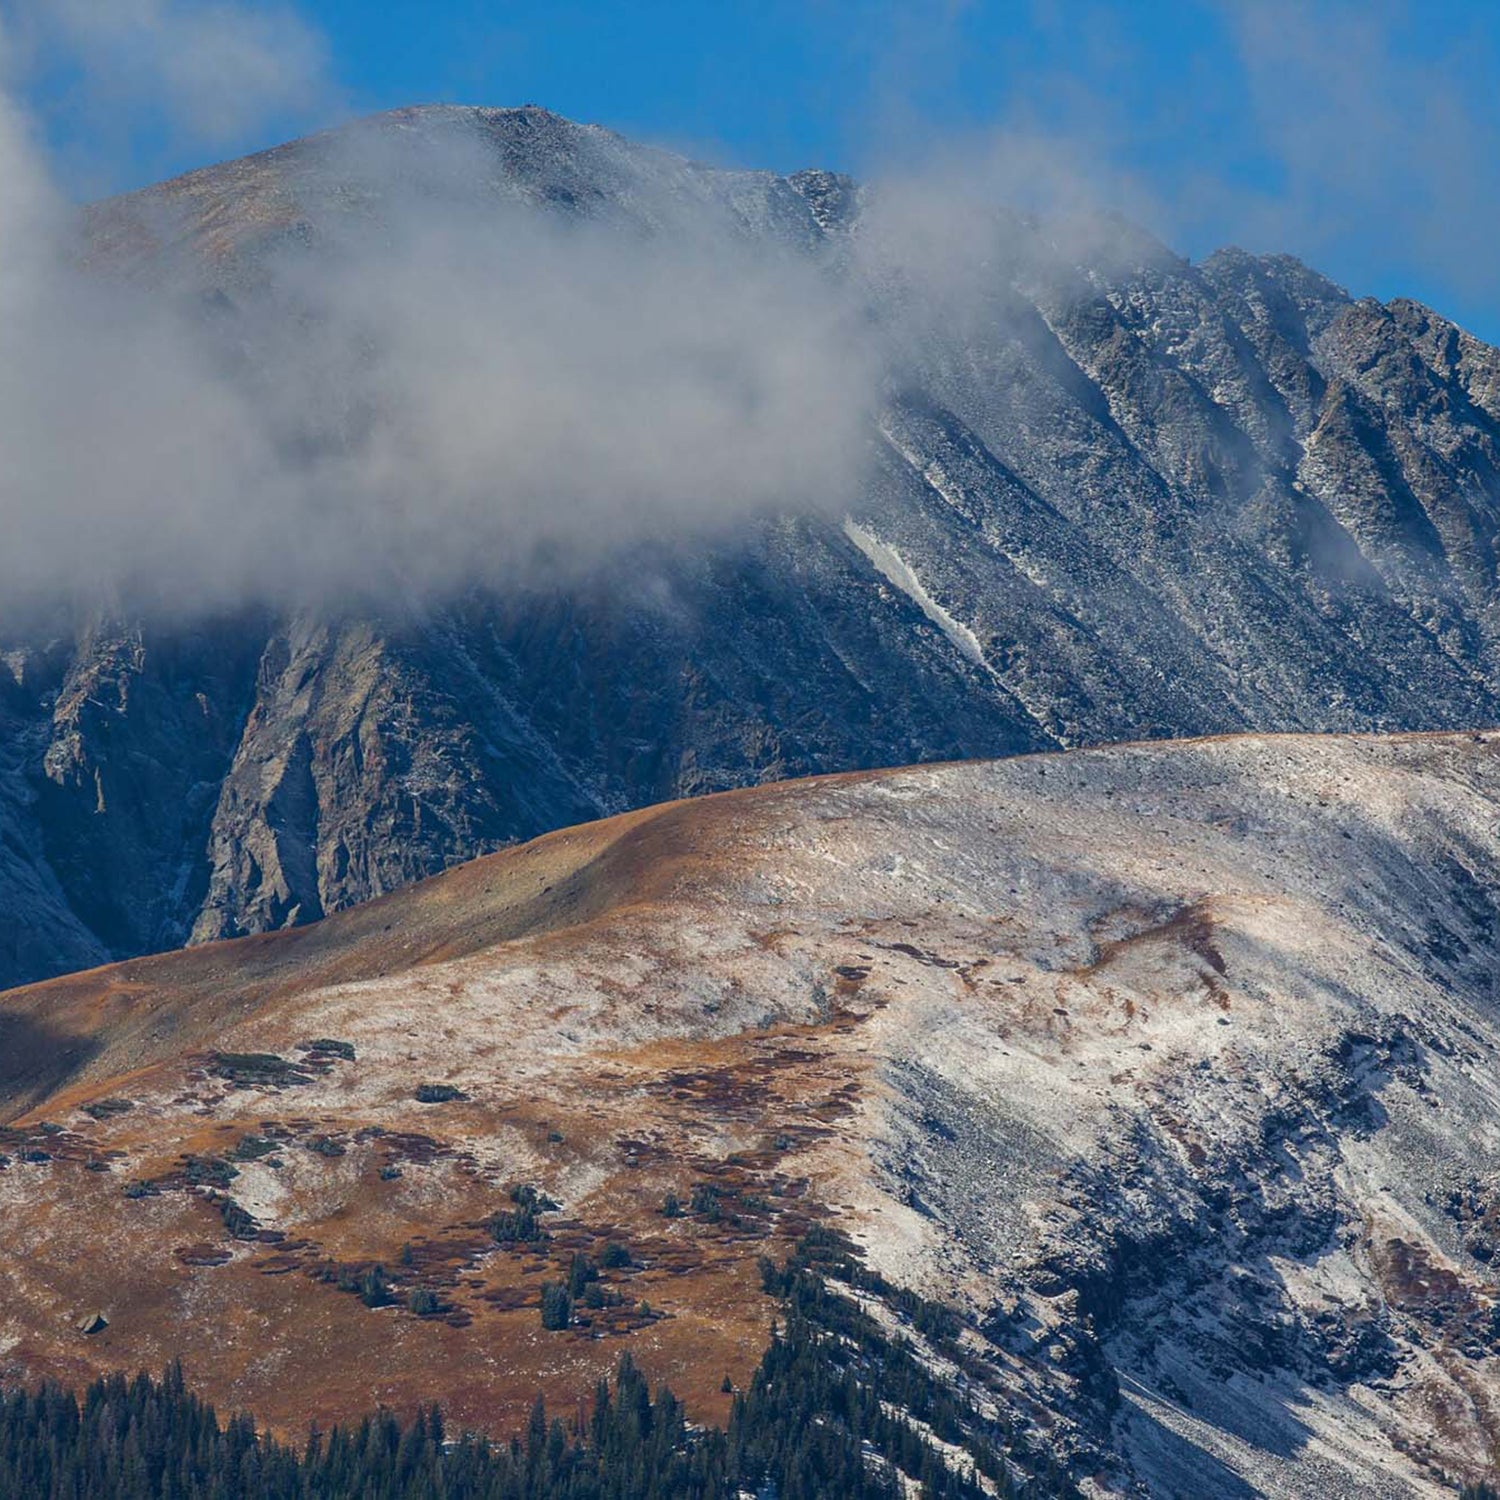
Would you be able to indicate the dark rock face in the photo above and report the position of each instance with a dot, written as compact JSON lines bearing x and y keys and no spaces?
{"x":1130,"y":498}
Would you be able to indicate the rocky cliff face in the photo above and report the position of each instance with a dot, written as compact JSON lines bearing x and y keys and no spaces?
{"x":1121,"y":497}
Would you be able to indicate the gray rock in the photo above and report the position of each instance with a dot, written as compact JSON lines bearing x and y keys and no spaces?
{"x":1135,"y":498}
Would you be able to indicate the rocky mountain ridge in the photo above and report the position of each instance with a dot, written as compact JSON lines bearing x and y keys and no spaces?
{"x":1120,"y":496}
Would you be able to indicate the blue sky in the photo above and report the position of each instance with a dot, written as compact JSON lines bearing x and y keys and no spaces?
{"x":1363,"y":137}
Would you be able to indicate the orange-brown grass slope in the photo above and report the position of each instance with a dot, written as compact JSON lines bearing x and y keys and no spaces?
{"x":1144,"y":1057}
{"x":359,"y":1172}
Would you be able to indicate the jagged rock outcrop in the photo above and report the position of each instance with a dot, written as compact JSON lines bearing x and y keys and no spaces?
{"x":1122,"y":496}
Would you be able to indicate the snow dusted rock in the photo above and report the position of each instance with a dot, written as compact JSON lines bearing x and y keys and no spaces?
{"x":1175,"y":1068}
{"x":1122,"y":496}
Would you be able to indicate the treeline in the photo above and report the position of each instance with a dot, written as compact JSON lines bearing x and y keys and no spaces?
{"x":818,"y":1422}
{"x":837,"y":1381}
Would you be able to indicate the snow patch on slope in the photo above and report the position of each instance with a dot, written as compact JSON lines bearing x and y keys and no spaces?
{"x":894,"y":568}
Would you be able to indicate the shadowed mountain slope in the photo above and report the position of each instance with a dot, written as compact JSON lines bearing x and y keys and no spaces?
{"x":1121,"y":496}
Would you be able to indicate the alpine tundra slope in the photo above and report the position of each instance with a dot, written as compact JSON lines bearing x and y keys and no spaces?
{"x":1173,"y":1068}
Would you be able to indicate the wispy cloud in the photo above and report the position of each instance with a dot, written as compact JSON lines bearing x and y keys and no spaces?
{"x":446,"y":385}
{"x":1360,"y":134}
{"x":443,"y":382}
{"x":216,"y":69}
{"x":132,"y":83}
{"x":1376,"y":131}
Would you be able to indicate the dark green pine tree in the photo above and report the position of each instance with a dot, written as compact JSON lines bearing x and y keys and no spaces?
{"x":805,"y":1428}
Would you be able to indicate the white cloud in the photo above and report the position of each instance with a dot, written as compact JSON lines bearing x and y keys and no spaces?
{"x":448,"y":387}
{"x":207,"y":71}
{"x":1379,"y":129}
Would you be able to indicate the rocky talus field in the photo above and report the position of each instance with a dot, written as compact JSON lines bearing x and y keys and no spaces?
{"x":1172,"y":1069}
{"x":1120,"y":496}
